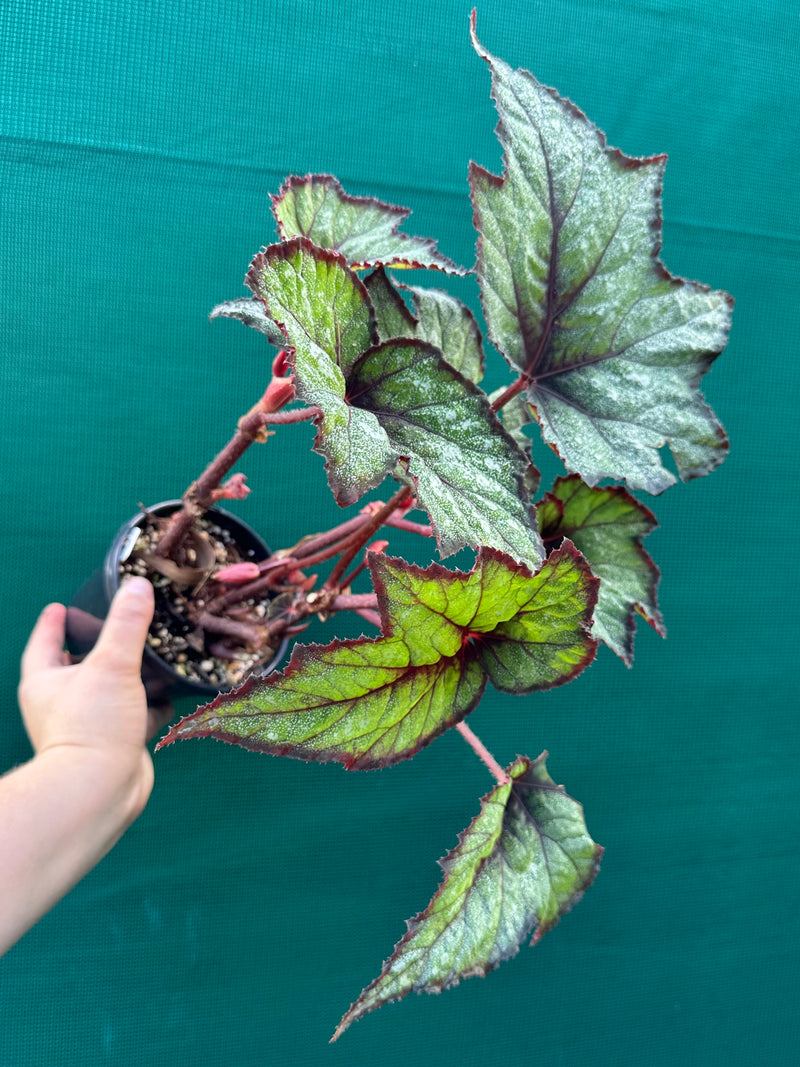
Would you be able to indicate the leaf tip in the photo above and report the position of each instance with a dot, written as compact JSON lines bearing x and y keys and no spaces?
{"x":337,"y":1033}
{"x":473,"y":32}
{"x":169,"y":737}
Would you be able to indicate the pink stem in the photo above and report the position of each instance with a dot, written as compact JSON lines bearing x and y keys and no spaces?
{"x":316,"y":549}
{"x":198,"y":496}
{"x":260,"y":585}
{"x":281,"y":418}
{"x":362,"y":604}
{"x":482,"y":752}
{"x":356,"y":541}
{"x":354,"y":602}
{"x":230,"y":628}
{"x":412,"y":527}
{"x":329,"y":537}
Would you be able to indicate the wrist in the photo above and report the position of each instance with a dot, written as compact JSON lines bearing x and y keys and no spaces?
{"x":104,"y":786}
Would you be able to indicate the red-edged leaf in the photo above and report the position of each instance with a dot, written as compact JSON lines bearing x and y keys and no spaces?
{"x":439,"y":318}
{"x":364,"y":230}
{"x":396,"y":406}
{"x":523,"y":862}
{"x":369,"y":703}
{"x":607,"y":524}
{"x":577,"y":299}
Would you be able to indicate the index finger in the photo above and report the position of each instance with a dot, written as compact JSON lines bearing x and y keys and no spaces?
{"x":46,"y":642}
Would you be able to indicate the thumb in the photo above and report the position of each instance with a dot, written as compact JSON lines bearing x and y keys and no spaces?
{"x":122,"y":638}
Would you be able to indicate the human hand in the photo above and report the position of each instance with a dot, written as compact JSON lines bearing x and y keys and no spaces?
{"x":62,"y":811}
{"x":96,"y":709}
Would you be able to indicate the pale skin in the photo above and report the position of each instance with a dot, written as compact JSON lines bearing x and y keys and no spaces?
{"x":91,"y":774}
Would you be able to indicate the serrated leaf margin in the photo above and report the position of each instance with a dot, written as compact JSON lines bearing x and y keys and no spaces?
{"x":438,"y":261}
{"x":523,"y":765}
{"x":657,"y":482}
{"x":654,"y":618}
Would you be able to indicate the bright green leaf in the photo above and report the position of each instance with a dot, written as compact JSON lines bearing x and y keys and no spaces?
{"x":523,"y":862}
{"x":529,"y":632}
{"x":512,"y":652}
{"x":361,"y":703}
{"x":576,"y":298}
{"x":607,"y":525}
{"x":369,"y":703}
{"x":364,"y":230}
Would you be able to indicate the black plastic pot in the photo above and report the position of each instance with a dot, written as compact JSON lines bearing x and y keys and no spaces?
{"x":90,"y":604}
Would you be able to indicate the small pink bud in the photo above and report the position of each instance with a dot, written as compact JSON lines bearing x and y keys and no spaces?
{"x":302,"y":580}
{"x":233,"y":489}
{"x":280,"y":392}
{"x":281,"y":366}
{"x":237,"y":573}
{"x":377,"y":546}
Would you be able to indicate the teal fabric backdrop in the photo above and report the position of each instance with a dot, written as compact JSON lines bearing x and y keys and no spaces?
{"x":256,"y":897}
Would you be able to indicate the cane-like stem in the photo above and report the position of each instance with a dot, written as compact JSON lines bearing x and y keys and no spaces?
{"x":482,"y":752}
{"x":360,"y":538}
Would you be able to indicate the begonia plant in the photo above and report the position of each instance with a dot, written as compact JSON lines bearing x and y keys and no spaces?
{"x":604,"y":349}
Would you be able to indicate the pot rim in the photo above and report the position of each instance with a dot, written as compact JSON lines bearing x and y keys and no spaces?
{"x":111,"y":580}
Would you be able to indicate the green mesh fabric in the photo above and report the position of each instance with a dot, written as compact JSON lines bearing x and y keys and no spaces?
{"x":255,"y":897}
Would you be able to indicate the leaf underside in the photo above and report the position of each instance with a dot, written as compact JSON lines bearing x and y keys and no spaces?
{"x":523,"y":862}
{"x":576,"y":298}
{"x":394,"y":407}
{"x":250,"y":311}
{"x":607,"y":525}
{"x":364,"y":230}
{"x":369,"y":703}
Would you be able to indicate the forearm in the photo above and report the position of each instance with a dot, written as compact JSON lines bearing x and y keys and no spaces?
{"x":60,"y":814}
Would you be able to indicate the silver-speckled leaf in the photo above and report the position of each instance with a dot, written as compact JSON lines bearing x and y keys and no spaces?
{"x":394,"y":407}
{"x":364,"y":230}
{"x":250,"y":311}
{"x":523,"y":862}
{"x":325,"y":315}
{"x":444,"y":321}
{"x":439,"y":318}
{"x":576,"y":298}
{"x":467,"y":472}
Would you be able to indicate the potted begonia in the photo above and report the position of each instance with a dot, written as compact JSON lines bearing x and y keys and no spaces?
{"x":604,"y":350}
